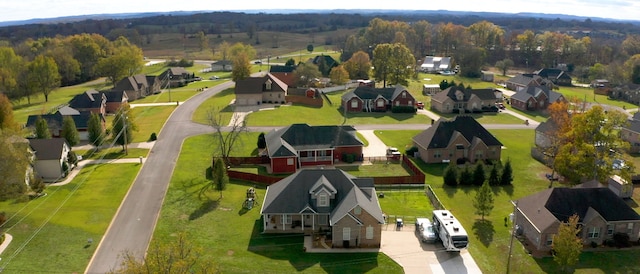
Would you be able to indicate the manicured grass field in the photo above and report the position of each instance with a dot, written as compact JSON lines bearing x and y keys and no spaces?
{"x":230,"y":235}
{"x":163,"y":97}
{"x":55,"y":228}
{"x":407,"y":204}
{"x":220,"y":103}
{"x":112,"y":153}
{"x":149,"y":120}
{"x":376,"y":170}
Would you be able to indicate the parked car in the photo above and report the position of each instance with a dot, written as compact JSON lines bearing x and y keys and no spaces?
{"x":257,"y":62}
{"x":215,"y":77}
{"x":420,"y":105}
{"x":393,"y":153}
{"x":500,"y":105}
{"x":425,"y":230}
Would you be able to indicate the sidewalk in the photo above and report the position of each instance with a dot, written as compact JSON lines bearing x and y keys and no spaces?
{"x":83,"y":163}
{"x":146,"y":145}
{"x":7,"y":241}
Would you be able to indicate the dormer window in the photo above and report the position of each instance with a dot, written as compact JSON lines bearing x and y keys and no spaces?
{"x":323,"y":200}
{"x":267,"y":84}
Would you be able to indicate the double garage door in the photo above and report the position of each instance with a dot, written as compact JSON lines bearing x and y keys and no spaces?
{"x":246,"y":101}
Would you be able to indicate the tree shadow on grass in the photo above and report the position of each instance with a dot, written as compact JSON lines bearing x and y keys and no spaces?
{"x":289,"y":247}
{"x":206,"y":207}
{"x":508,"y":189}
{"x":483,"y":229}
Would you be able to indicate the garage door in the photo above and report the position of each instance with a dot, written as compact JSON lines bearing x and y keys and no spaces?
{"x":241,"y":101}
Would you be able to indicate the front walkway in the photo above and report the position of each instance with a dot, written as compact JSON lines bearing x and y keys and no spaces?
{"x":7,"y":241}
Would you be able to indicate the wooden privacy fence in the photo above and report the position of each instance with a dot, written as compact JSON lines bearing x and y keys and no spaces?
{"x":257,"y":178}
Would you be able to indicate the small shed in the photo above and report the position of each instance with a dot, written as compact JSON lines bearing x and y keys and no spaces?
{"x":487,"y":76}
{"x":620,"y":186}
{"x":430,"y":89}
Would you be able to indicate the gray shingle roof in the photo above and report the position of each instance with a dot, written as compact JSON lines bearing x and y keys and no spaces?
{"x":286,"y":141}
{"x":256,"y":85}
{"x":284,"y":69}
{"x":88,"y":99}
{"x":558,"y":204}
{"x":450,"y":92}
{"x":441,"y":133}
{"x":48,"y":149}
{"x":291,"y":195}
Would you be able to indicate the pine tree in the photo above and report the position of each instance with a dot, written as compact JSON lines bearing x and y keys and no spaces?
{"x":220,"y":177}
{"x":42,"y":129}
{"x":451,"y":175}
{"x":507,"y":174}
{"x":95,"y":129}
{"x":483,"y":201}
{"x":494,"y":178}
{"x":466,"y":177}
{"x":69,"y":131}
{"x":478,"y":174}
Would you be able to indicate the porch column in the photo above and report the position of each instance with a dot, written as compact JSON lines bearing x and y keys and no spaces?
{"x":302,"y":222}
{"x":332,"y":160}
{"x":284,"y":220}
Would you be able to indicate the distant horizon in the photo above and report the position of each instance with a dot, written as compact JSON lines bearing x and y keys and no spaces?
{"x":44,"y":9}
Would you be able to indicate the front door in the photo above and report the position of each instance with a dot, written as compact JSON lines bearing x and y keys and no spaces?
{"x":346,"y":236}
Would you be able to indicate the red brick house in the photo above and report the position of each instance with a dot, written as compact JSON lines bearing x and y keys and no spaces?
{"x":298,"y":145}
{"x":90,"y":100}
{"x":462,"y":138}
{"x":535,"y":98}
{"x":336,"y":208}
{"x":368,"y":99}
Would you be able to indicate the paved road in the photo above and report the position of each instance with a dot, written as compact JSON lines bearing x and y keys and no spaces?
{"x":134,"y":223}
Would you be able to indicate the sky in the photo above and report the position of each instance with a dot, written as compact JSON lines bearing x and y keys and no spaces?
{"x":13,"y":10}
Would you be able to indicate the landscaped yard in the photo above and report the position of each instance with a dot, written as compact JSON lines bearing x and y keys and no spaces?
{"x":220,"y":103}
{"x":112,"y":153}
{"x":149,"y":120}
{"x":56,"y":228}
{"x":230,"y":235}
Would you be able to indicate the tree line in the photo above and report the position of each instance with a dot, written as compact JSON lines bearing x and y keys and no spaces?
{"x":42,"y":65}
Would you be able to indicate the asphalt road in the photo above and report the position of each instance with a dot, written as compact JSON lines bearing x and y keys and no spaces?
{"x":134,"y":223}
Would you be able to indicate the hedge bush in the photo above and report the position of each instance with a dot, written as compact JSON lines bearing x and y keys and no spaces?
{"x":403,"y":109}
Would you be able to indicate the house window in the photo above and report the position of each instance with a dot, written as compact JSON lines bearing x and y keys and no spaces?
{"x":357,"y":210}
{"x":410,"y":103}
{"x":459,"y":146}
{"x":268,"y":84}
{"x":397,"y":103}
{"x":549,"y":240}
{"x":380,"y":103}
{"x":287,"y":219}
{"x":479,"y":154}
{"x":369,"y":232}
{"x":610,"y":229}
{"x":404,"y":94}
{"x":354,"y":103}
{"x":630,"y":228}
{"x":346,"y":233}
{"x":323,"y":200}
{"x":289,"y":161}
{"x":593,"y":232}
{"x":447,"y":106}
{"x":322,"y":219}
{"x":436,"y":154}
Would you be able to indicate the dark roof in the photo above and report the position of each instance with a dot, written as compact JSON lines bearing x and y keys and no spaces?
{"x":253,"y":85}
{"x":552,"y":73}
{"x":328,"y":60}
{"x":293,"y":194}
{"x":370,"y":93}
{"x":114,"y":95}
{"x":636,"y":116}
{"x":633,"y":125}
{"x":534,"y":91}
{"x":287,"y":141}
{"x":483,"y":94}
{"x":440,"y":134}
{"x":562,"y":203}
{"x":54,"y":121}
{"x":88,"y":99}
{"x":136,"y":83}
{"x":223,"y":63}
{"x":521,"y":79}
{"x":547,"y":126}
{"x":48,"y":149}
{"x":283,"y":69}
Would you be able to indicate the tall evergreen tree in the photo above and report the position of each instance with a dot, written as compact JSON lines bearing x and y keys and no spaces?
{"x":478,"y":174}
{"x":494,"y":178}
{"x":451,"y":175}
{"x":42,"y":129}
{"x":95,"y":129}
{"x":466,"y":176}
{"x":483,"y":201}
{"x":69,"y":131}
{"x":220,"y":177}
{"x":507,"y":174}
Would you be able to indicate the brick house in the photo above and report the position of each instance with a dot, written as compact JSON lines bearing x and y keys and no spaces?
{"x":140,"y":85}
{"x":631,"y":133}
{"x":54,"y":122}
{"x":298,"y":145}
{"x":257,"y":90}
{"x":328,"y":204}
{"x":284,"y":73}
{"x":601,"y":214}
{"x":556,"y":76}
{"x":533,"y":98}
{"x":90,"y":100}
{"x":115,"y":100}
{"x":457,"y":139}
{"x":457,"y":99}
{"x":368,"y":99}
{"x":521,"y":81}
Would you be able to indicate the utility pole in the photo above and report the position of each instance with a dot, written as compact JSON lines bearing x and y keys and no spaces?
{"x":124,"y":128}
{"x":513,"y":232}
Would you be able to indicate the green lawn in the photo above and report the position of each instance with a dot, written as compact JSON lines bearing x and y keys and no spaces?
{"x":55,"y":228}
{"x":376,"y":170}
{"x":112,"y":153}
{"x":230,"y":235}
{"x":149,"y":120}
{"x":176,"y":95}
{"x":219,"y":102}
{"x":407,"y":205}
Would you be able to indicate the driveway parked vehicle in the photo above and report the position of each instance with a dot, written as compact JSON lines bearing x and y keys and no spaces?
{"x":425,"y":230}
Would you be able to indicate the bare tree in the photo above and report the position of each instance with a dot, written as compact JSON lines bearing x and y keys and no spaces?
{"x":226,"y":135}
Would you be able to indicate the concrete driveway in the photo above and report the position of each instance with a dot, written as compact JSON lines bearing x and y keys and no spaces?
{"x":405,"y":248}
{"x":376,"y":147}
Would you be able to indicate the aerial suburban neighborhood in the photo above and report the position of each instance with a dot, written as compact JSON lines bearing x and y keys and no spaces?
{"x":230,"y":142}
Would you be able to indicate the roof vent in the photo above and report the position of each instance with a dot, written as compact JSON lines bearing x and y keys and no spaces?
{"x":444,"y":214}
{"x":456,"y":229}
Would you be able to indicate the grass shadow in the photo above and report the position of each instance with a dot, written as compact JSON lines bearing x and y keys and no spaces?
{"x":206,"y":207}
{"x":483,"y":229}
{"x":508,"y":189}
{"x":451,"y":191}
